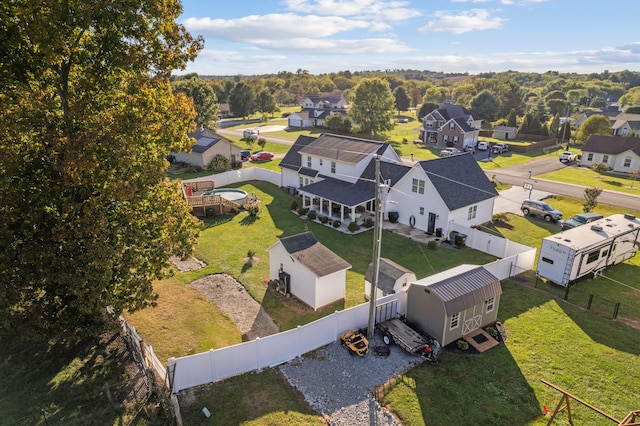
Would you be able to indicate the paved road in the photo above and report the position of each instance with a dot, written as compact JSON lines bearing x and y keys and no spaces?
{"x":518,"y":175}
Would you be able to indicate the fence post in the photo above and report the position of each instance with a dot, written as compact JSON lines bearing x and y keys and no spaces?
{"x":589,"y":302}
{"x":616,"y":308}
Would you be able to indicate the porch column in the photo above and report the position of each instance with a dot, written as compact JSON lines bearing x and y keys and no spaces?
{"x":321,"y":203}
{"x":353,"y":214}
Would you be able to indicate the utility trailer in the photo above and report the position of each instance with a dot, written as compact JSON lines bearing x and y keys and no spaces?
{"x":588,"y":249}
{"x":396,"y":331}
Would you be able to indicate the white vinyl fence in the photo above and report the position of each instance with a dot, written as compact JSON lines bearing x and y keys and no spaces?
{"x":241,"y":175}
{"x":218,"y":364}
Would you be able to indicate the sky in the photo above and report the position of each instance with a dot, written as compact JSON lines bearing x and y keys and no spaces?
{"x":254,"y":37}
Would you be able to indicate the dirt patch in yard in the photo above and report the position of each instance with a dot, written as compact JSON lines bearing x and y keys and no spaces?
{"x":234,"y":300}
{"x":190,"y":264}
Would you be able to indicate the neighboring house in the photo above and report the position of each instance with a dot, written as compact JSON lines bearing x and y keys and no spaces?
{"x":392,"y":278}
{"x":317,"y":276}
{"x":224,"y":111}
{"x":335,"y":176}
{"x":208,"y":145}
{"x":505,"y":132}
{"x":626,"y":125}
{"x":325,"y":102}
{"x":311,"y":117}
{"x":451,"y":126}
{"x":620,"y":154}
{"x":454,"y":303}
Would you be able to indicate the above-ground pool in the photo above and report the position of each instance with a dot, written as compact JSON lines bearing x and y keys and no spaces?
{"x":238,"y":196}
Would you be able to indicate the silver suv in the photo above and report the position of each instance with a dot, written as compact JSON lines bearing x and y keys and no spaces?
{"x":540,"y":209}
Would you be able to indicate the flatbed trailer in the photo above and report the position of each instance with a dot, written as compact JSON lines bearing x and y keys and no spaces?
{"x":396,"y":331}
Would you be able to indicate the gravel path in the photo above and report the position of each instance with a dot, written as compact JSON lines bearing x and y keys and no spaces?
{"x":340,"y":386}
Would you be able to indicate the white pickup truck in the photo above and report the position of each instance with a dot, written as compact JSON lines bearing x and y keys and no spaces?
{"x":568,"y":157}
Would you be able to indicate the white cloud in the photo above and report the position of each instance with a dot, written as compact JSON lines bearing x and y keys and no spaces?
{"x":393,"y":10}
{"x":466,"y":21}
{"x":273,"y":27}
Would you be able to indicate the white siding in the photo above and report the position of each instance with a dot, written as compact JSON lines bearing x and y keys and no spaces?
{"x":330,"y":288}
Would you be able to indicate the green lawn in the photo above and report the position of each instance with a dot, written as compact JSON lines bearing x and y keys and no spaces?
{"x":587,"y":177}
{"x":591,"y":356}
{"x":595,"y":359}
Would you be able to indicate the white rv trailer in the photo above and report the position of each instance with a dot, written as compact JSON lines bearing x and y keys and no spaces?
{"x":588,"y":249}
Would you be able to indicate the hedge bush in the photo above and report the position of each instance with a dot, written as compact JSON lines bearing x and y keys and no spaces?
{"x":353,"y":226}
{"x":311,"y":215}
{"x":337,"y":223}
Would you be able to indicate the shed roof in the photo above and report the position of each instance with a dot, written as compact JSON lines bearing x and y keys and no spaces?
{"x":306,"y":249}
{"x":462,"y":287}
{"x":388,"y":273}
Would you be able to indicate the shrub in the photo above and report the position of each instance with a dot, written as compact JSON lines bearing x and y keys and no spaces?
{"x":324,"y":219}
{"x":500,"y":218}
{"x":337,"y":223}
{"x":312,"y":215}
{"x":294,"y":205}
{"x":302,"y":211}
{"x":286,"y":114}
{"x":353,"y":226}
{"x":368,"y":222}
{"x":219,"y":164}
{"x":432,"y":245}
{"x":463,"y":345}
{"x":492,"y":331}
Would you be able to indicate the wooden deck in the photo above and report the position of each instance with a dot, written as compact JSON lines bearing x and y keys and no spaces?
{"x":486,"y":341}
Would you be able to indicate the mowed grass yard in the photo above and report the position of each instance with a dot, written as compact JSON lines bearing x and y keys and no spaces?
{"x":595,"y":358}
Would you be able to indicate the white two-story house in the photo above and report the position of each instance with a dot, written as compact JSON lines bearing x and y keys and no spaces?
{"x":335,"y":176}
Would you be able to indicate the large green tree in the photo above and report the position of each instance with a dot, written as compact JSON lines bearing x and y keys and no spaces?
{"x":595,"y":125}
{"x":372,"y":106}
{"x":201,"y":93}
{"x":87,"y":217}
{"x":402,"y":100}
{"x":485,"y":104}
{"x":242,"y":101}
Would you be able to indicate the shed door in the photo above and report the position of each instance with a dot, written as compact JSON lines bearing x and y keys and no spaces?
{"x":471,"y":324}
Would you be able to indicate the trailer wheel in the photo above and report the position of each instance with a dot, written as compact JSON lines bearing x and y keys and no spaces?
{"x":387,"y":339}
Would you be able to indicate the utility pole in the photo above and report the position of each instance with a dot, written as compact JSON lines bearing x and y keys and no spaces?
{"x":564,"y":127}
{"x":377,"y":239}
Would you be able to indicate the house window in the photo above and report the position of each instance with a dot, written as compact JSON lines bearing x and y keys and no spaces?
{"x":590,"y":156}
{"x":455,"y":321}
{"x":627,"y":162}
{"x":455,"y":139}
{"x":333,"y":167}
{"x":472,"y":212}
{"x":605,"y":159}
{"x":445,"y":138}
{"x":321,"y":161}
{"x":300,"y":182}
{"x":309,"y":161}
{"x":422,"y":211}
{"x":452,"y":126}
{"x":491,"y":303}
{"x":417,"y":186}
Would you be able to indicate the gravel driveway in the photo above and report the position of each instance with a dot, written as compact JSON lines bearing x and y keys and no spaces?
{"x":340,"y":386}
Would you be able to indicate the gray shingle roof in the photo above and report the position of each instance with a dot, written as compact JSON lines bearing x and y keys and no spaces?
{"x":462,"y":287}
{"x":389,"y":272}
{"x":339,"y":191}
{"x":306,"y":249}
{"x":291,"y":159}
{"x":341,"y":148}
{"x":459,"y":180}
{"x":611,"y":145}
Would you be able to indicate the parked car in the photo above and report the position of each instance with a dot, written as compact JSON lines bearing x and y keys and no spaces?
{"x":540,"y":209}
{"x":245,"y":154}
{"x":251,"y":133}
{"x":261,"y":156}
{"x":483,"y":146}
{"x":449,"y":151}
{"x":403,"y":120}
{"x":568,"y":157}
{"x":499,"y":148}
{"x":580,"y":219}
